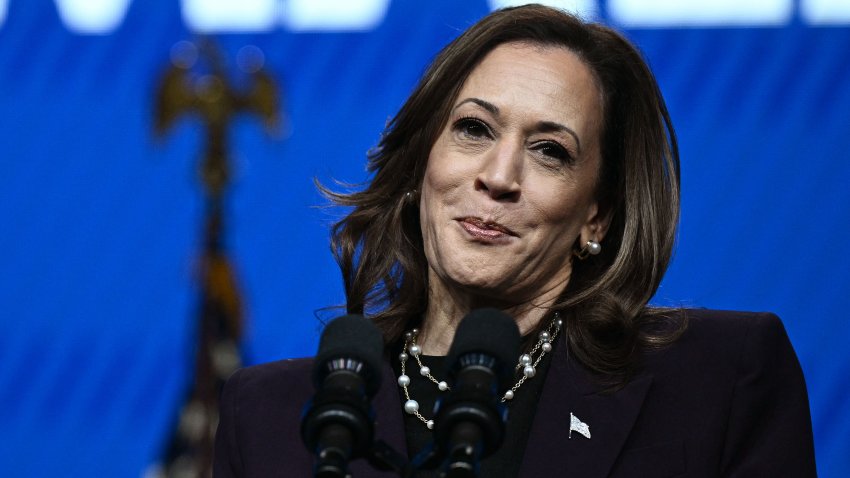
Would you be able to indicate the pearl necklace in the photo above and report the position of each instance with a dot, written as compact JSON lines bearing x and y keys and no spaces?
{"x":526,"y":362}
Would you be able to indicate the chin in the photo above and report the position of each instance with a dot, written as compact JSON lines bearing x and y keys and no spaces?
{"x":490,"y":285}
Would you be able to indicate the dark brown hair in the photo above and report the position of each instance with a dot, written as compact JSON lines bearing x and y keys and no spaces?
{"x":378,"y":245}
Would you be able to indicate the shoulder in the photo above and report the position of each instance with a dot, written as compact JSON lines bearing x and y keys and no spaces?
{"x":288,"y":373}
{"x":260,"y":410}
{"x":729,"y":321}
{"x":754,"y":343}
{"x":725,"y":350}
{"x":283,"y":384}
{"x":745,"y":394}
{"x":723,"y":336}
{"x":283,"y":387}
{"x":767,"y":397}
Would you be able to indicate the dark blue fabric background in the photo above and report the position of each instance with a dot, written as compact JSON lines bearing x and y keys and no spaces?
{"x":99,"y":223}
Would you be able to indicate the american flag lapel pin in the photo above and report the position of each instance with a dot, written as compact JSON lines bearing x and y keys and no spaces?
{"x":578,"y":426}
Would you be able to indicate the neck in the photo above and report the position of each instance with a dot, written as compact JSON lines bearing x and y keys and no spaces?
{"x":447,"y":306}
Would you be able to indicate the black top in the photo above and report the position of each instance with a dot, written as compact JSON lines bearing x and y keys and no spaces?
{"x":508,"y":458}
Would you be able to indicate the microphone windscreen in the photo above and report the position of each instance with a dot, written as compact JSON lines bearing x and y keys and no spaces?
{"x":351,"y":337}
{"x":488,"y":331}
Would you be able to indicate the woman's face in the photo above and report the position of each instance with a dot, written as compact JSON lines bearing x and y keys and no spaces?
{"x":509,"y":185}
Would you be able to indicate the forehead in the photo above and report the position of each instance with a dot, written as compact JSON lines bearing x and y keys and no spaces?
{"x":551,"y":82}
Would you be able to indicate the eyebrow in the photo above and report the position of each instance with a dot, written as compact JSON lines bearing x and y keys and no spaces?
{"x":542,"y":126}
{"x":484,"y":104}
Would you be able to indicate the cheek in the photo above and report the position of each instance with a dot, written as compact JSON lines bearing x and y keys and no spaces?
{"x":434,"y":190}
{"x":556,"y":200}
{"x":442,"y":192}
{"x":444,"y":176}
{"x":560,"y":216}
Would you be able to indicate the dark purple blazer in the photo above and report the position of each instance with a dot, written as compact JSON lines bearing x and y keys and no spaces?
{"x":728,"y":399}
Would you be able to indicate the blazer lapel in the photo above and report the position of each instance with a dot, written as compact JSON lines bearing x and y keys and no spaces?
{"x":389,"y":423}
{"x":610,"y":416}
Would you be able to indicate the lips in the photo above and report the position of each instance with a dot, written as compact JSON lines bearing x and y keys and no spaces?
{"x":485,"y":229}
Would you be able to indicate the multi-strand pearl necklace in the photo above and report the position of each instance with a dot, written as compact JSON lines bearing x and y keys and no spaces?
{"x":527,"y":363}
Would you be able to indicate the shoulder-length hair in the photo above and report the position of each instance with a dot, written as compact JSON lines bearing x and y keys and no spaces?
{"x":379,"y":247}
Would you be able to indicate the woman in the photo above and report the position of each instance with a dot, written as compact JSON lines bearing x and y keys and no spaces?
{"x":535,"y":169}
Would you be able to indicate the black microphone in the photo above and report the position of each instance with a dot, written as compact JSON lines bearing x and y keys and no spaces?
{"x":338,"y":423}
{"x":470,"y":421}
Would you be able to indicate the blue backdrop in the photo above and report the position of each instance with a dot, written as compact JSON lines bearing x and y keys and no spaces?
{"x":101,"y":223}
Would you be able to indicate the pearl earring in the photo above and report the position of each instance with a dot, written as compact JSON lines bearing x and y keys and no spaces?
{"x":591,"y":248}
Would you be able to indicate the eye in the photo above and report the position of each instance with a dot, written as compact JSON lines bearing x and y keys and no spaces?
{"x":473,"y":128}
{"x":553,"y":150}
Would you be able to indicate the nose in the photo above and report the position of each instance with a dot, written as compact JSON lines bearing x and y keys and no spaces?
{"x":501,"y":169}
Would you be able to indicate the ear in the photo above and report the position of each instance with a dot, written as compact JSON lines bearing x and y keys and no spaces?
{"x":596,"y":225}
